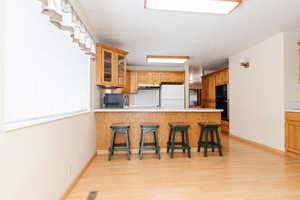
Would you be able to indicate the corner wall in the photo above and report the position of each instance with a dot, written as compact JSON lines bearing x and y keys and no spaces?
{"x":291,"y":75}
{"x":257,"y":93}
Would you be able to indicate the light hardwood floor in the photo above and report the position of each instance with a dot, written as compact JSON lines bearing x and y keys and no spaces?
{"x":244,"y":173}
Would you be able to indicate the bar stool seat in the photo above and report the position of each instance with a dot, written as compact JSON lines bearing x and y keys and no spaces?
{"x":184,"y":144}
{"x":206,"y":129}
{"x":120,"y":128}
{"x":149,"y":128}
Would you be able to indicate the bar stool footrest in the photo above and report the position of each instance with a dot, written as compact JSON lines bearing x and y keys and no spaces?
{"x":120,"y":145}
{"x":151,"y":149}
{"x":188,"y":148}
{"x":149,"y":144}
{"x":119,"y":149}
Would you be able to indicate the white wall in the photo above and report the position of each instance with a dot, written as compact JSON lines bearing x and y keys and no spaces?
{"x":257,"y":93}
{"x":291,"y":62}
{"x":39,"y":162}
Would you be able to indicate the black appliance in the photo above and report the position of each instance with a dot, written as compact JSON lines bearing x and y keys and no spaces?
{"x":222,"y":101}
{"x":114,"y":101}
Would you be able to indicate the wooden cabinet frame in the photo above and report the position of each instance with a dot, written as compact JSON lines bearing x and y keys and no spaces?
{"x":101,"y":49}
{"x":113,"y":69}
{"x":292,"y":132}
{"x":117,"y":70}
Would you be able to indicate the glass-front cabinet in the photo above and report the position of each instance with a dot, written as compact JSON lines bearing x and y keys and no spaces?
{"x":121,"y":70}
{"x":111,"y":66}
{"x":108,"y":67}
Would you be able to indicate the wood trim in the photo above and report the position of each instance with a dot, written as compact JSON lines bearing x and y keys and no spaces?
{"x":104,"y":46}
{"x":113,"y":68}
{"x":154,"y":71}
{"x":178,"y":57}
{"x":78,"y":177}
{"x":224,"y":69}
{"x":293,"y":155}
{"x":258,"y":145}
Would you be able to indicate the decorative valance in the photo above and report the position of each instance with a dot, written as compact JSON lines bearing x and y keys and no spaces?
{"x":62,"y":14}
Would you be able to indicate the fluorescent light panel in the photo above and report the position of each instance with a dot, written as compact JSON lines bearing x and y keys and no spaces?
{"x":167,"y":59}
{"x":202,"y":6}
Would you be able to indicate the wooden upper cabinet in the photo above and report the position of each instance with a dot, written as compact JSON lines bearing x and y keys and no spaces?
{"x":212,"y":91}
{"x":171,"y":77}
{"x":156,"y":78}
{"x":222,"y":77}
{"x":108,"y":67}
{"x":121,"y":70}
{"x":133,"y":82}
{"x":209,"y":83}
{"x":111,"y":66}
{"x":145,"y":77}
{"x":153,"y":77}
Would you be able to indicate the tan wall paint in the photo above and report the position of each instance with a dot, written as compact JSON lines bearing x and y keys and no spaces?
{"x":41,"y":161}
{"x":257,"y":93}
{"x":291,"y":62}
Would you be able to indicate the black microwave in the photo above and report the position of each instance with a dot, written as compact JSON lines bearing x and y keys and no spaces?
{"x":114,"y":101}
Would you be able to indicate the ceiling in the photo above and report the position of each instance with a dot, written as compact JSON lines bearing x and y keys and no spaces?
{"x":207,"y":38}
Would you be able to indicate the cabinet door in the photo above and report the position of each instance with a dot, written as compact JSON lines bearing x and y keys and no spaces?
{"x":212,"y":91}
{"x":133,"y":82}
{"x":204,"y":95}
{"x":293,"y":136}
{"x":171,"y":77}
{"x":99,"y":67}
{"x":164,"y":78}
{"x":226,"y":76}
{"x":177,"y":77}
{"x":219,"y":78}
{"x":156,"y":78}
{"x":145,"y":77}
{"x":121,"y":70}
{"x":107,"y":67}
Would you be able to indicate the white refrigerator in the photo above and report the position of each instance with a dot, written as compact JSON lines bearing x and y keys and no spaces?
{"x":172,"y":96}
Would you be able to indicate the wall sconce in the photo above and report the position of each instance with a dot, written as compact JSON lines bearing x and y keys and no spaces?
{"x":244,"y":63}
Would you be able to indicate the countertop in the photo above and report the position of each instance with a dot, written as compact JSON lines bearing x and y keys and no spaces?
{"x":151,"y":109}
{"x":292,"y":110}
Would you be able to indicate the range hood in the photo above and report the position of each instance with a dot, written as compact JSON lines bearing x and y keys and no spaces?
{"x":148,"y":86}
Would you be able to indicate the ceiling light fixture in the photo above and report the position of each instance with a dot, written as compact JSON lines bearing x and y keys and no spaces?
{"x":202,"y":6}
{"x":167,"y":59}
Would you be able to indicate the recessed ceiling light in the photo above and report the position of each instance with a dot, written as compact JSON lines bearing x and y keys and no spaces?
{"x":202,"y":6}
{"x":167,"y":59}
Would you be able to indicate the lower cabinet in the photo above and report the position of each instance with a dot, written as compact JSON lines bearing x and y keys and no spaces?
{"x":225,"y":127}
{"x":292,"y":132}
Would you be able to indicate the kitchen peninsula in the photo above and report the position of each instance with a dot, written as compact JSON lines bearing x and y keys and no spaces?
{"x":160,"y":116}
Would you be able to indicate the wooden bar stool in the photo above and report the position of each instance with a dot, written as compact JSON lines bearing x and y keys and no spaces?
{"x":149,"y":128}
{"x":124,"y":130}
{"x":207,"y":129}
{"x":184,"y":144}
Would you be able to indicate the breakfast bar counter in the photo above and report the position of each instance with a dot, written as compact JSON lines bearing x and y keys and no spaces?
{"x":162,"y":117}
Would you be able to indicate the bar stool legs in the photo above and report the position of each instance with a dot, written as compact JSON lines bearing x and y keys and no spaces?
{"x":145,"y":146}
{"x":124,"y":130}
{"x":184,"y":144}
{"x":211,"y":129}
